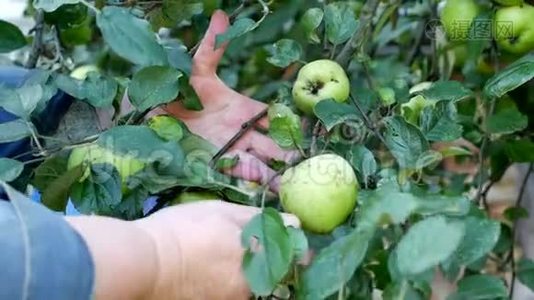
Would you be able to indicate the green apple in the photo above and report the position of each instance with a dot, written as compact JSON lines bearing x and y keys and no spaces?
{"x":188,"y":197}
{"x":319,"y":80}
{"x":457,"y":17}
{"x":81,"y":72}
{"x":509,"y":2}
{"x":320,"y":191}
{"x":514,"y":28}
{"x":126,"y":165}
{"x":411,"y":110}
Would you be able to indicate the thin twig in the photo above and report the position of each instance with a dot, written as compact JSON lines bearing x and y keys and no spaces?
{"x":518,"y":204}
{"x":37,"y":44}
{"x":265,"y":186}
{"x":244,"y":128}
{"x":485,"y":139}
{"x":315,"y":135}
{"x":358,"y":38}
{"x":417,"y":44}
{"x":367,"y":121}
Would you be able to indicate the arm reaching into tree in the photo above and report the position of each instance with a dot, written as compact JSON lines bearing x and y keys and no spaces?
{"x":225,"y":110}
{"x":190,"y":251}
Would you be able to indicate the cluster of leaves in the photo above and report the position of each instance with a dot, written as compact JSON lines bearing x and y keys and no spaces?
{"x":414,"y":215}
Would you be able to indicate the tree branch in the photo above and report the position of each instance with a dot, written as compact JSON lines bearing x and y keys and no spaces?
{"x":244,"y":128}
{"x":367,"y":121}
{"x":358,"y":38}
{"x":37,"y":44}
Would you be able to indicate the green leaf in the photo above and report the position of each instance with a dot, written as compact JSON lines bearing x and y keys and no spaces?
{"x":385,"y":204}
{"x":332,"y":113}
{"x":284,"y":126}
{"x":405,"y":141}
{"x":520,"y":150}
{"x":480,"y":287}
{"x":525,"y":272}
{"x":167,"y":157}
{"x":439,"y":123}
{"x":511,"y":77}
{"x":309,"y":22}
{"x":284,"y":52}
{"x":269,"y":251}
{"x":428,"y":159}
{"x":56,"y":194}
{"x":153,"y":86}
{"x":21,"y":101}
{"x":51,"y":5}
{"x":99,"y":193}
{"x":190,"y":98}
{"x":335,"y":265}
{"x":179,"y":57}
{"x":225,"y":163}
{"x":55,"y":191}
{"x":363,"y":161}
{"x":299,"y":241}
{"x":10,"y":169}
{"x":515,"y":213}
{"x":340,"y":22}
{"x":173,"y":12}
{"x":389,"y":204}
{"x":239,"y":28}
{"x":11,"y":38}
{"x":131,"y":206}
{"x":432,"y":204}
{"x":446,"y":90}
{"x":481,"y":235}
{"x":97,"y":90}
{"x":401,"y":290}
{"x":421,"y":248}
{"x":167,"y":128}
{"x":506,"y":121}
{"x":130,"y":37}
{"x":14,"y":131}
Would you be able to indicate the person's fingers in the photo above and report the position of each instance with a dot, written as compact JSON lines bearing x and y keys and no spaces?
{"x":207,"y":57}
{"x":251,"y":168}
{"x":264,"y":148}
{"x":242,"y":214}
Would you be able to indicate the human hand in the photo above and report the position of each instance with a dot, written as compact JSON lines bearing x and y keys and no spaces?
{"x":225,"y":110}
{"x":199,"y":249}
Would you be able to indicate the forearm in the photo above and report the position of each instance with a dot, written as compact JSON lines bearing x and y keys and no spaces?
{"x":124,"y":255}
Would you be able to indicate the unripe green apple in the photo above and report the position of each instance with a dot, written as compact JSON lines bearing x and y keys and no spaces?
{"x":411,"y":110}
{"x":126,"y":165}
{"x":188,"y":197}
{"x":319,"y":80}
{"x":320,"y":191}
{"x":457,"y":17}
{"x":514,"y":28}
{"x":509,"y":2}
{"x":81,"y":72}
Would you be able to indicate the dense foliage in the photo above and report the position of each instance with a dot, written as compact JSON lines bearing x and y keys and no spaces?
{"x":425,"y":96}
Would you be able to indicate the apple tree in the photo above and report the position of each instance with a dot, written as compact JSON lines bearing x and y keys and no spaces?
{"x":398,"y":118}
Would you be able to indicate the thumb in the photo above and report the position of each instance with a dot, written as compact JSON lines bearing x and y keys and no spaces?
{"x":207,"y":57}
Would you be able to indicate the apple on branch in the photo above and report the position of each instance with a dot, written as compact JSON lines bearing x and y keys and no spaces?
{"x":519,"y":39}
{"x":319,"y":80}
{"x":320,"y":191}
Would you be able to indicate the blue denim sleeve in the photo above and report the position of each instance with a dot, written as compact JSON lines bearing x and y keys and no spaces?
{"x":42,"y":256}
